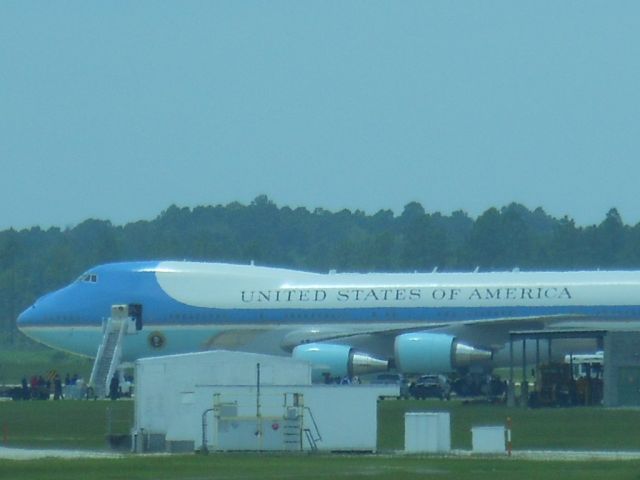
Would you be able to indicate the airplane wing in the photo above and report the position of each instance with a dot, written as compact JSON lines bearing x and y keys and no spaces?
{"x":492,"y":332}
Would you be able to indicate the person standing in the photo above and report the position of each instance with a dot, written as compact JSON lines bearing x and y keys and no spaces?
{"x":114,"y":386}
{"x":57,"y":388}
{"x":25,"y":389}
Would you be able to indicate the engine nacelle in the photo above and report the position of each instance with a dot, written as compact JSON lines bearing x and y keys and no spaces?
{"x":425,"y":352}
{"x":338,"y":360}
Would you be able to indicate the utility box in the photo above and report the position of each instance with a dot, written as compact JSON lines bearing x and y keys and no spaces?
{"x":254,"y":434}
{"x":427,"y":432}
{"x":282,"y":430}
{"x":488,"y":439}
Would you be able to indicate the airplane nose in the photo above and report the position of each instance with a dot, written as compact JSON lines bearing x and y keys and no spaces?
{"x":26,"y":317}
{"x":36,"y":313}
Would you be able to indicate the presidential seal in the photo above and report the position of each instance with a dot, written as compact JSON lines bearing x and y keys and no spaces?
{"x":157,"y":340}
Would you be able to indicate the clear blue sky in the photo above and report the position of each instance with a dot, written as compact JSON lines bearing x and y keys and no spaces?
{"x":115,"y":110}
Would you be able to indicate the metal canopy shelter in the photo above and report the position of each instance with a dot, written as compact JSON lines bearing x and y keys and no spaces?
{"x":538,"y":335}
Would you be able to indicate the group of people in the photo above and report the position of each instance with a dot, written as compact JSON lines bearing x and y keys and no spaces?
{"x":346,"y":380}
{"x":39,"y":388}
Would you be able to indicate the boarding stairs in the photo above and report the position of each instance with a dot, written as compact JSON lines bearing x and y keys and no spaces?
{"x":312,"y":433}
{"x":108,"y":356}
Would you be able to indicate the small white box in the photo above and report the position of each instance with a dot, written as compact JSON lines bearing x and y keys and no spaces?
{"x":488,"y":439}
{"x":427,"y":432}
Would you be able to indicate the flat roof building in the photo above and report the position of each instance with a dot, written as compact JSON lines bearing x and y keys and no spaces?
{"x":222,"y":400}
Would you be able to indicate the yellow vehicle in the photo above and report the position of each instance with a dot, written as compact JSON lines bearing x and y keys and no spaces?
{"x":576,"y":381}
{"x":555,"y":386}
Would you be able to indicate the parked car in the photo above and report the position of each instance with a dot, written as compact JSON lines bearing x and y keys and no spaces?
{"x":431,"y":386}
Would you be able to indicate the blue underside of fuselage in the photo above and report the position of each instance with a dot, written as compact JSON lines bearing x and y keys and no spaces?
{"x":173,"y":313}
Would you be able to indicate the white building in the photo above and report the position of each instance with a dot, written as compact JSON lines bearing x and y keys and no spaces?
{"x":214,"y":400}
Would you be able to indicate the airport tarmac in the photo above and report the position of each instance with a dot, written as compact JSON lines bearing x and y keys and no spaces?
{"x":574,"y":455}
{"x":539,"y":455}
{"x":555,"y":455}
{"x":33,"y":454}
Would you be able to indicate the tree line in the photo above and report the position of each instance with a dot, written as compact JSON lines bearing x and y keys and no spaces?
{"x":35,"y":261}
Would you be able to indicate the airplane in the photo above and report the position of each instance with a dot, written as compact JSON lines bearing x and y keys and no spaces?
{"x":344,"y":324}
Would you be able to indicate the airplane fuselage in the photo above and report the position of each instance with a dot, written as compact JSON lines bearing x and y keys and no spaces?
{"x":190,"y":306}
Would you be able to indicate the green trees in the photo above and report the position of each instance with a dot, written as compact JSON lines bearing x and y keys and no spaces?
{"x":34,"y":261}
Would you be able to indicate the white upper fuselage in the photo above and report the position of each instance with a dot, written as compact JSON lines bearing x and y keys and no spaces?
{"x":237,"y":286}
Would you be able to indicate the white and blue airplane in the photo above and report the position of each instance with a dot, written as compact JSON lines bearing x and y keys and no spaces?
{"x":343,"y":323}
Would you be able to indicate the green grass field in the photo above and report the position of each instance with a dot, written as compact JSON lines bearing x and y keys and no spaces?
{"x":586,"y":428}
{"x":83,"y":424}
{"x":64,"y":424}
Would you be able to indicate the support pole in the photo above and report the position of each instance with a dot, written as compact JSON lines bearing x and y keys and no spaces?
{"x":511,"y":401}
{"x":537,"y":363}
{"x":258,"y":414}
{"x":258,"y":390}
{"x":509,"y":436}
{"x":524,"y":385}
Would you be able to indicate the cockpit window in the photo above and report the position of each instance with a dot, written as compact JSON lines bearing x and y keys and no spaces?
{"x":88,"y":278}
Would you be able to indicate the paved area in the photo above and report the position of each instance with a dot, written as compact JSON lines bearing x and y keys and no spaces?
{"x":31,"y":454}
{"x":575,"y":455}
{"x":546,"y":455}
{"x":540,"y":455}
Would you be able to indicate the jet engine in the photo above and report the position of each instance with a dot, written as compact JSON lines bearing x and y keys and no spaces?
{"x":425,"y":352}
{"x":338,"y":360}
